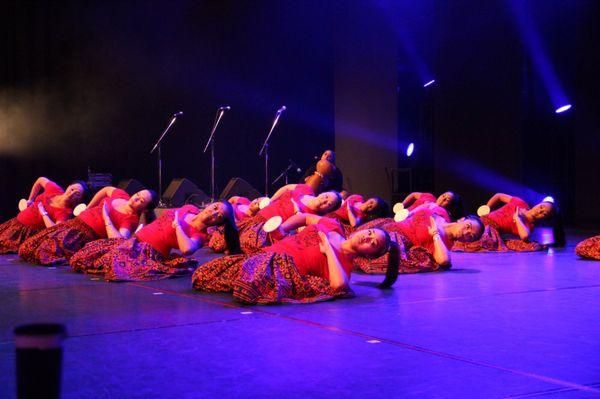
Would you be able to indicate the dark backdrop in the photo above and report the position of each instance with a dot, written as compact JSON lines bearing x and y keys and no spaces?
{"x":93,"y":85}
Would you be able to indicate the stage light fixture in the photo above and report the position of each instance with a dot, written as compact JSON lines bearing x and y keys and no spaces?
{"x":563,"y":108}
{"x":432,"y":81}
{"x":410,"y":149}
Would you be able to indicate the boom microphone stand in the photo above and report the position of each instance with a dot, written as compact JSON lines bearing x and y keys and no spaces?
{"x":157,"y":145}
{"x":211,"y":142}
{"x":265,"y":148}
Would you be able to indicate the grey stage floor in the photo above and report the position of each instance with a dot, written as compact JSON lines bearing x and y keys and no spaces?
{"x":512,"y":325}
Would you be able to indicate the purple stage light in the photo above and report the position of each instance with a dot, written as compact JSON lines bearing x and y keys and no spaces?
{"x":432,"y":81}
{"x":548,"y":199}
{"x":563,"y":108}
{"x":410,"y":149}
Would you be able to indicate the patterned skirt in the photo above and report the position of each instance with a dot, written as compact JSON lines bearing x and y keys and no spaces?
{"x":264,"y":278}
{"x":89,"y":258}
{"x":57,"y":243}
{"x":130,"y":260}
{"x":589,"y":249}
{"x":412,"y":259}
{"x":12,"y":234}
{"x":217,"y":241}
{"x":252,"y":236}
{"x":492,"y":241}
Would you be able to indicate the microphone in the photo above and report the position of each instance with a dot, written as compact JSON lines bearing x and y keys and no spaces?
{"x":294,"y":165}
{"x":224,"y":107}
{"x":175,"y":115}
{"x":280,"y":110}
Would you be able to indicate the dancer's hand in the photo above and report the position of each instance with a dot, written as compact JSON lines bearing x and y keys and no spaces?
{"x":324,"y":245}
{"x":516,"y":215}
{"x":105,"y":213}
{"x":433,"y":227}
{"x":176,"y":222}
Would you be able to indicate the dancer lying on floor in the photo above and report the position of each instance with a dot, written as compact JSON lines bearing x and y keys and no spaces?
{"x":424,"y":239}
{"x":48,"y":204}
{"x":509,"y":226}
{"x":356,"y":211}
{"x":146,"y":255}
{"x":589,"y":249}
{"x":313,"y":265}
{"x":244,"y":208}
{"x":112,"y":213}
{"x":286,"y":202}
{"x":449,"y":200}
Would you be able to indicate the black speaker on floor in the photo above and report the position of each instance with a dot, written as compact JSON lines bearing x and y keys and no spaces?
{"x":240,"y":187}
{"x":131,"y":186}
{"x":182,"y":191}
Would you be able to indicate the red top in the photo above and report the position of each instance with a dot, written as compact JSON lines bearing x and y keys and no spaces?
{"x":31,"y":215}
{"x":238,"y":200}
{"x":161,"y":233}
{"x":284,"y":207}
{"x":239,"y":212}
{"x":304,"y":248}
{"x":342,"y":211}
{"x":423,"y":199}
{"x":502,"y":218}
{"x":415,"y":228}
{"x":93,"y":216}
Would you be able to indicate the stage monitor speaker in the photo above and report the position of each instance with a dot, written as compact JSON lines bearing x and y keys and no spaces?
{"x":182,"y":191}
{"x":240,"y":187}
{"x":131,"y":186}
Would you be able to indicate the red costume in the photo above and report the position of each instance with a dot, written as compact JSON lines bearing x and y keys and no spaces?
{"x":497,"y":223}
{"x":93,"y":216}
{"x":31,"y":215}
{"x":161,"y":234}
{"x":415,"y":243}
{"x":145,"y":256}
{"x":58,"y":243}
{"x":423,"y":199}
{"x":252,"y":236}
{"x":29,"y":221}
{"x":291,"y":270}
{"x":502,"y":218}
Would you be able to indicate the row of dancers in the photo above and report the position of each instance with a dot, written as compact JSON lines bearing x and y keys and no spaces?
{"x":297,"y":246}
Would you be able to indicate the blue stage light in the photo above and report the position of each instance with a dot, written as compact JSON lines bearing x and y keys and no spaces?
{"x":548,"y":199}
{"x":432,"y":81}
{"x":410,"y":149}
{"x":563,"y":108}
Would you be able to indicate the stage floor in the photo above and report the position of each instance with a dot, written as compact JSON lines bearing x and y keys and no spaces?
{"x":496,"y":326}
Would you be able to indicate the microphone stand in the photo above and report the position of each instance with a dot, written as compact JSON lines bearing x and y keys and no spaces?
{"x":157,"y":145}
{"x":211,"y":142}
{"x":286,"y":172}
{"x":265,"y":149}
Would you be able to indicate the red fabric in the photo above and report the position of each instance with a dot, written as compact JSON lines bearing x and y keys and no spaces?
{"x":161,"y":234}
{"x":589,"y":249}
{"x":93,"y":216}
{"x":31,"y":216}
{"x":238,"y":200}
{"x":502,"y":218}
{"x":423,"y":199}
{"x":284,"y":207}
{"x":415,"y":229}
{"x":342,"y":211}
{"x":240,"y":212}
{"x":304,"y":249}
